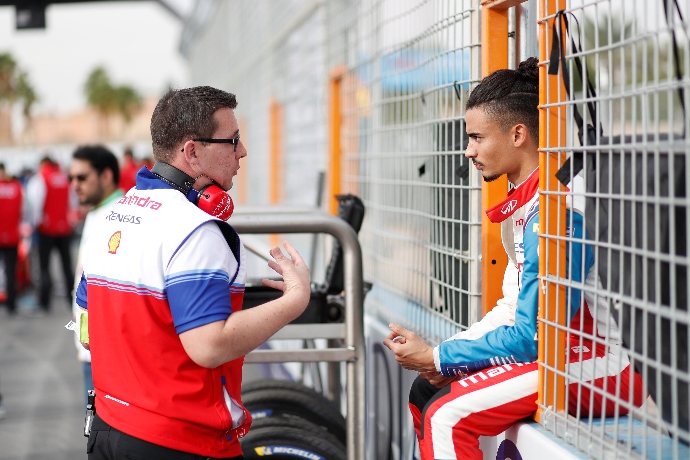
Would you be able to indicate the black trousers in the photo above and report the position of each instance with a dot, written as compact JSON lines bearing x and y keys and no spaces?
{"x":107,"y":443}
{"x":46,"y":243}
{"x":9,"y":255}
{"x":422,"y":392}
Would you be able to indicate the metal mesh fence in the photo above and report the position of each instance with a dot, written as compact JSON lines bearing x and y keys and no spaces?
{"x":409,"y":66}
{"x":272,"y":55}
{"x":623,"y":321}
{"x":405,"y":68}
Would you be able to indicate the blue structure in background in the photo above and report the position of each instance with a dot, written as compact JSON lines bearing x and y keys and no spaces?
{"x":413,"y":70}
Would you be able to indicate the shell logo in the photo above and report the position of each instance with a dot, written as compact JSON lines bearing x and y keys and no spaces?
{"x":114,"y":242}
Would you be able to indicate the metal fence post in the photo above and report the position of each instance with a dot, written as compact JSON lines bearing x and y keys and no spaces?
{"x":267,"y":220}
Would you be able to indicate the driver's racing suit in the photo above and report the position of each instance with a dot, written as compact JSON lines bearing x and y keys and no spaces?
{"x":495,"y":359}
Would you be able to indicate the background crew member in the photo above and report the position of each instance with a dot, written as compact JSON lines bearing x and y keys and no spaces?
{"x":11,"y":212}
{"x":128,"y":172}
{"x":48,"y":194}
{"x":11,"y":201}
{"x":93,"y":175}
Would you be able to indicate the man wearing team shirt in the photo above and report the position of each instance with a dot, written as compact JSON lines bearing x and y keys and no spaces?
{"x":11,"y":201}
{"x":163,"y":284}
{"x":11,"y":212}
{"x":49,"y":198}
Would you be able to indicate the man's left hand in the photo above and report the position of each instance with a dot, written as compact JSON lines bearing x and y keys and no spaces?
{"x":410,"y":350}
{"x":438,"y":380}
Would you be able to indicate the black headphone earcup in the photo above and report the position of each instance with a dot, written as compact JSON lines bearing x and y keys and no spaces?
{"x":216,"y":202}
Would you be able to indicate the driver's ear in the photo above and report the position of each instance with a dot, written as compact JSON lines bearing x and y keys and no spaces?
{"x":520,"y":134}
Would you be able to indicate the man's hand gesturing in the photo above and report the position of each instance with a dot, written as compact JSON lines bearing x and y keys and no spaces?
{"x":295,"y":273}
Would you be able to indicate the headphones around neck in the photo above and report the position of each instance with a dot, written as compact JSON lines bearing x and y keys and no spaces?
{"x":211,"y":199}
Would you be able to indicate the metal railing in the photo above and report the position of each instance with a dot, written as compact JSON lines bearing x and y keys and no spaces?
{"x":300,"y":220}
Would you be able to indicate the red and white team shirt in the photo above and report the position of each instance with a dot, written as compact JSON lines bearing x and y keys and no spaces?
{"x":154,"y":267}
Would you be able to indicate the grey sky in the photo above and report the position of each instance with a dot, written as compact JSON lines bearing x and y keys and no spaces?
{"x":136,"y":41}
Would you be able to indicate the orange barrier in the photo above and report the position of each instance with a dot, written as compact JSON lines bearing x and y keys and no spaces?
{"x":552,"y":251}
{"x":494,"y":57}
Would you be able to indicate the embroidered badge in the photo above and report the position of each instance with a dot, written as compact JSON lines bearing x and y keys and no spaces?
{"x":114,"y":242}
{"x":509,"y":206}
{"x":517,"y":198}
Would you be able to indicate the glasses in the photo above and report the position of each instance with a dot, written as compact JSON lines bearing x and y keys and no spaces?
{"x":234,"y":141}
{"x":78,"y":177}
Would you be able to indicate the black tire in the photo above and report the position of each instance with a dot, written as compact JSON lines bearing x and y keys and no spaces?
{"x":278,"y":423}
{"x":297,"y":387}
{"x":288,"y":443}
{"x":307,"y":405}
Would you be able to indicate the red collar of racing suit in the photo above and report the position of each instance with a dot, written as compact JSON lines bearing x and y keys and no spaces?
{"x":517,"y":198}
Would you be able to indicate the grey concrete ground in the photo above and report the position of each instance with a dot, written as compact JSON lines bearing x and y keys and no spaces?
{"x":41,"y":385}
{"x":42,"y":388}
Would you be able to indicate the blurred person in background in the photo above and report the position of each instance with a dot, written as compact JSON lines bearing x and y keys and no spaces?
{"x":11,"y":212}
{"x":147,"y":162}
{"x":128,"y":172}
{"x":25,"y":174}
{"x":49,"y":195}
{"x":94,"y":175}
{"x":11,"y":199}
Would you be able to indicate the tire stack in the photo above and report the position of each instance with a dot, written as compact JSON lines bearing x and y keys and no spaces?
{"x":291,"y":421}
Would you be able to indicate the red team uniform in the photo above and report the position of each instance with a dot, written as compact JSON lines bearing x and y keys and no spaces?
{"x":128,"y":175}
{"x":49,"y":196}
{"x":56,"y":203}
{"x":137,"y":306}
{"x":11,"y":212}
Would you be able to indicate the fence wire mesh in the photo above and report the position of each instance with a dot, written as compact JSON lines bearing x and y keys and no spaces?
{"x":626,"y":338}
{"x":409,"y":66}
{"x":405,"y":69}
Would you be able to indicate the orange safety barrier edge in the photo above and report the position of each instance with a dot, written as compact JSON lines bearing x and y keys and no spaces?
{"x":494,"y":39}
{"x":275,"y":161}
{"x":552,"y":251}
{"x":335,"y":79}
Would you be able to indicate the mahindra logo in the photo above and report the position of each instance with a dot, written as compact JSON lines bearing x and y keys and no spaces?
{"x":509,"y":207}
{"x":491,"y":372}
{"x":141,"y":201}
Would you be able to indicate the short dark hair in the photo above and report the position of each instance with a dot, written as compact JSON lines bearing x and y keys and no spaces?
{"x":100,"y":159}
{"x":186,"y":114}
{"x":510,"y":97}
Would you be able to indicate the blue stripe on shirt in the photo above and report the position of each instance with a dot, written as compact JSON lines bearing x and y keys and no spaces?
{"x":198,"y":298}
{"x":182,"y":277}
{"x":81,"y":292}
